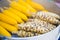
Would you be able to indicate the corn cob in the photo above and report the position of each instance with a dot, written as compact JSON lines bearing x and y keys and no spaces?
{"x":23,"y":33}
{"x":8,"y":27}
{"x":7,"y":19}
{"x":4,"y":32}
{"x":10,"y":14}
{"x":45,"y":17}
{"x":20,"y":14}
{"x":36,"y":5}
{"x":42,"y":23}
{"x":51,"y":14}
{"x":19,"y":7}
{"x":37,"y":26}
{"x":27,"y":5}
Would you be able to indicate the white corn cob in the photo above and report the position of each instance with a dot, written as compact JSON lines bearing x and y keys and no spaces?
{"x":45,"y":17}
{"x":22,"y":33}
{"x":51,"y":14}
{"x":36,"y":25}
{"x":42,"y":23}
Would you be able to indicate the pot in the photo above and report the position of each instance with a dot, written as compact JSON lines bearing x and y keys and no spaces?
{"x":52,"y":35}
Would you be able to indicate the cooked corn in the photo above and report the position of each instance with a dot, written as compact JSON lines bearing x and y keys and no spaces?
{"x":36,"y":25}
{"x":45,"y":17}
{"x":51,"y":14}
{"x":22,"y":33}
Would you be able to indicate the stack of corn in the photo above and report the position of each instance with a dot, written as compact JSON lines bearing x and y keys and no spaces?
{"x":17,"y":17}
{"x":42,"y":22}
{"x":36,"y":26}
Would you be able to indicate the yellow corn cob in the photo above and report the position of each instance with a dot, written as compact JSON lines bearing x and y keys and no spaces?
{"x":20,"y":14}
{"x":12,"y":15}
{"x":7,"y":19}
{"x":8,"y":27}
{"x":21,"y":8}
{"x":36,"y":5}
{"x":4,"y":32}
{"x":27,"y":6}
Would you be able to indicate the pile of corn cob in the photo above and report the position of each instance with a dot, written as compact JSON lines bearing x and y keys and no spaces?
{"x":36,"y":26}
{"x":42,"y":22}
{"x":17,"y":12}
{"x":17,"y":17}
